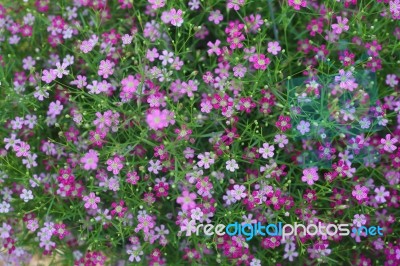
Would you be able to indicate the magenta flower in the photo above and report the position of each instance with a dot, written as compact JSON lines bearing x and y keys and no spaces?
{"x":296,"y":4}
{"x":60,"y":231}
{"x":118,"y":209}
{"x":260,"y":61}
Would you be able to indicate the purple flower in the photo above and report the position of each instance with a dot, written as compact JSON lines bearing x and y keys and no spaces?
{"x":303,"y":127}
{"x":49,"y":75}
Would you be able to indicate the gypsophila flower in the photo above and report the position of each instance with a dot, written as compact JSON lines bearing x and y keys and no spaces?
{"x":232,"y":165}
{"x":310,"y":175}
{"x":359,"y":220}
{"x":273,"y":48}
{"x":388,"y":143}
{"x":267,"y":151}
{"x":91,"y":201}
{"x":303,"y":127}
{"x":381,"y":193}
{"x":106,"y":68}
{"x":4,"y":207}
{"x":26,"y":195}
{"x":131,"y":128}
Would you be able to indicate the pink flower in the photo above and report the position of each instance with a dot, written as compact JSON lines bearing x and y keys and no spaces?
{"x":381,"y":193}
{"x":130,"y":84}
{"x":346,"y":80}
{"x":145,"y":223}
{"x":310,"y":175}
{"x":341,"y":25}
{"x":235,"y":4}
{"x":260,"y":61}
{"x":267,"y":150}
{"x":389,"y":143}
{"x":166,"y":57}
{"x":156,"y":4}
{"x":205,"y":160}
{"x":49,"y":75}
{"x":155,"y":166}
{"x":115,"y":165}
{"x":296,"y":4}
{"x":214,"y":48}
{"x":22,"y":149}
{"x":132,"y":177}
{"x":360,"y":193}
{"x":90,"y":160}
{"x":238,"y":192}
{"x":59,"y":229}
{"x":215,"y":16}
{"x":166,"y":17}
{"x":176,"y":17}
{"x":55,"y":108}
{"x":103,"y":121}
{"x":281,"y":140}
{"x":232,"y":165}
{"x":187,"y":200}
{"x":273,"y":48}
{"x":118,"y":209}
{"x":86,"y":46}
{"x":106,"y":68}
{"x":91,"y":201}
{"x":152,"y":54}
{"x":394,"y":7}
{"x":157,"y":119}
{"x":359,"y":220}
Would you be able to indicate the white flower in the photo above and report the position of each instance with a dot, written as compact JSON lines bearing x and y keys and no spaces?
{"x":4,"y":207}
{"x":232,"y":165}
{"x":26,"y":195}
{"x":135,"y":253}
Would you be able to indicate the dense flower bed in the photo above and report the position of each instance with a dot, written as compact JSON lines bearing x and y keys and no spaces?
{"x":125,"y":124}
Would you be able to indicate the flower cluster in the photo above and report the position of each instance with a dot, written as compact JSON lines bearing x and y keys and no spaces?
{"x":125,"y":124}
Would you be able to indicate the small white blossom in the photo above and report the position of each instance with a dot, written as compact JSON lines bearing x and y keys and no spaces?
{"x":26,"y":195}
